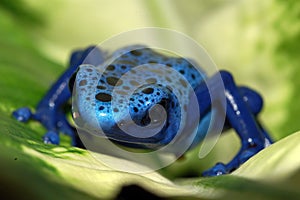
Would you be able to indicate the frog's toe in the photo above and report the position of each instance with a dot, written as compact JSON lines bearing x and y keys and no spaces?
{"x":51,"y":137}
{"x":218,"y":169}
{"x":22,"y":114}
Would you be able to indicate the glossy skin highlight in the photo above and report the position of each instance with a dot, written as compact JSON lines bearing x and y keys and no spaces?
{"x":242,"y":103}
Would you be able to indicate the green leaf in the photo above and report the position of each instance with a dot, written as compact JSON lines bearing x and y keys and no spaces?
{"x":273,"y":173}
{"x":73,"y":171}
{"x":274,"y":163}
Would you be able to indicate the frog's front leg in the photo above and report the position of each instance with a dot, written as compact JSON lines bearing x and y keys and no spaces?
{"x":241,"y":116}
{"x":49,"y":111}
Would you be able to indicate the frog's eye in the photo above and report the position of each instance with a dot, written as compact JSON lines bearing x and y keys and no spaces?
{"x":72,"y":80}
{"x":156,"y":120}
{"x":158,"y":114}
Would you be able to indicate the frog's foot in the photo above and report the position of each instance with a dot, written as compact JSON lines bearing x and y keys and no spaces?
{"x":64,"y":127}
{"x":69,"y":130}
{"x":218,"y":169}
{"x":51,"y":137}
{"x":22,"y":114}
{"x":240,"y":158}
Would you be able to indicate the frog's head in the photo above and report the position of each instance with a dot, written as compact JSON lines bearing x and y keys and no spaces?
{"x":143,"y":117}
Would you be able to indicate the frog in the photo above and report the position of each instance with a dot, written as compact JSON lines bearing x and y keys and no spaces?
{"x":103,"y":95}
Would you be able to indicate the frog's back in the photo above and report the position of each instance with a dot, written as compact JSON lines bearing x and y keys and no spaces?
{"x":150,"y":78}
{"x":129,"y":57}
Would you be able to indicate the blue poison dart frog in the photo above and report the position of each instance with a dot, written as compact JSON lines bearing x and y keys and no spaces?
{"x":242,"y":104}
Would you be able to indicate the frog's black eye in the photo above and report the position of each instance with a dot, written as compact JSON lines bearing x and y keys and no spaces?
{"x":72,"y":81}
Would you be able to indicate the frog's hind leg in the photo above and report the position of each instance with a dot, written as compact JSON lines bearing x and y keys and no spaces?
{"x":240,"y":117}
{"x":254,"y":102}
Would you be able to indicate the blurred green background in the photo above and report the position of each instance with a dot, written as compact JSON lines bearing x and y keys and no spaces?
{"x":258,"y":41}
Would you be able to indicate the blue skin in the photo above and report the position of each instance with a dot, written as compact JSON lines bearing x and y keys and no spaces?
{"x":242,"y":104}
